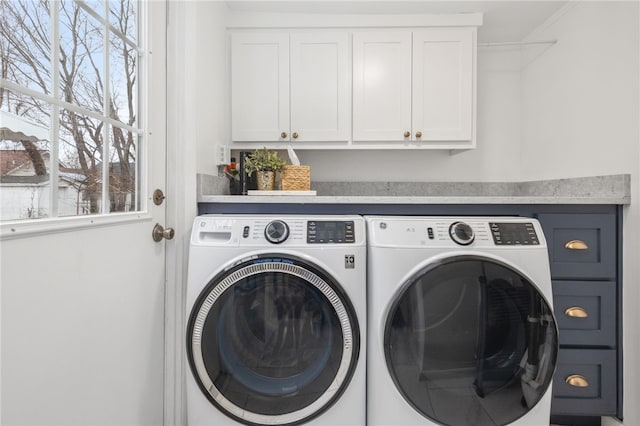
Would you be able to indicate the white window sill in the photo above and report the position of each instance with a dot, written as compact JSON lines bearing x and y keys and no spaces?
{"x":36,"y":227}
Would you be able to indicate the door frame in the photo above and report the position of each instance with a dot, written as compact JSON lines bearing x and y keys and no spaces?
{"x":181,"y":208}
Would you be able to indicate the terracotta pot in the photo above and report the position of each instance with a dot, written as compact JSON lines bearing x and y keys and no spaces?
{"x":266,"y":180}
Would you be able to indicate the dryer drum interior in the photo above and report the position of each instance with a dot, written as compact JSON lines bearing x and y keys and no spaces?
{"x":471,"y":332}
{"x":273,"y":340}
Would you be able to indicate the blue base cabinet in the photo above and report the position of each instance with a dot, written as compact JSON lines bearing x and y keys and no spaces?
{"x":584,"y":259}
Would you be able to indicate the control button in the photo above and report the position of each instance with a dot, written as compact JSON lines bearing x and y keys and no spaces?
{"x":461,"y":233}
{"x":245,"y":232}
{"x":276,"y":232}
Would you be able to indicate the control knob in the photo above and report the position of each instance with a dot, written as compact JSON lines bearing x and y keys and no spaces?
{"x":276,"y":231}
{"x":461,"y":233}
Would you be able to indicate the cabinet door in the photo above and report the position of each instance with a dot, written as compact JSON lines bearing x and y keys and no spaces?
{"x":259,"y":86}
{"x":443,"y":84}
{"x":381,"y":86}
{"x":320,"y":89}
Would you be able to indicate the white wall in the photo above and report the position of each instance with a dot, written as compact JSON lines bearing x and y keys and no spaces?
{"x":206,"y":80}
{"x":581,"y":95}
{"x":581,"y":117}
{"x":24,"y":201}
{"x":20,"y":201}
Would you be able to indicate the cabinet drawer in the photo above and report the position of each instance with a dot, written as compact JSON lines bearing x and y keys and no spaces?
{"x":597,"y":369}
{"x":581,"y":245}
{"x":585,"y":312}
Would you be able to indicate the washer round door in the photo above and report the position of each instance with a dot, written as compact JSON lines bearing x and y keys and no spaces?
{"x":273,"y":340}
{"x":471,"y":341}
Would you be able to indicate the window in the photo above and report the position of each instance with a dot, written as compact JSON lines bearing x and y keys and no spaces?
{"x":71,"y":132}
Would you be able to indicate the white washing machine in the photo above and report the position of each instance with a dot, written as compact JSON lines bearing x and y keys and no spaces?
{"x":461,"y":328}
{"x":276,"y":326}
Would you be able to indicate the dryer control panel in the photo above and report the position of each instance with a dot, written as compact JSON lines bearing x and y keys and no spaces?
{"x":462,"y":233}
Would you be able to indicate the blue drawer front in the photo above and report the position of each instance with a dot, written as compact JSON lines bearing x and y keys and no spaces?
{"x":593,"y":255}
{"x":598,"y":368}
{"x":596,"y":299}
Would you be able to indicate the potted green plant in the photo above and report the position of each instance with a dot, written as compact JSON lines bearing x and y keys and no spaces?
{"x":265,"y":164}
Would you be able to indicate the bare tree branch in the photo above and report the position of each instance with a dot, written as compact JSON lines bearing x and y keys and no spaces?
{"x":25,"y":54}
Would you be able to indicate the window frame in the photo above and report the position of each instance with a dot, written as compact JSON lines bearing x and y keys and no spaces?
{"x":53,"y":223}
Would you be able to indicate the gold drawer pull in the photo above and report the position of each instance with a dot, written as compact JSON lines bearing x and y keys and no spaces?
{"x":577,"y":381}
{"x":576,"y":245}
{"x":576,"y":312}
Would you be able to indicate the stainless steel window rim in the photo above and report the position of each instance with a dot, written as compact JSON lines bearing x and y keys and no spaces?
{"x":325,"y":289}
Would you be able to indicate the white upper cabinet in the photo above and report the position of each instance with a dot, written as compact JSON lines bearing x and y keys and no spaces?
{"x":259,"y":86}
{"x":320,"y":89}
{"x":381,"y":85}
{"x":416,"y":87}
{"x":290,"y":87}
{"x":443,"y":84}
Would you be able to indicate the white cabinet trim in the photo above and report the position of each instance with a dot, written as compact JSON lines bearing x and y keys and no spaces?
{"x":266,"y":20}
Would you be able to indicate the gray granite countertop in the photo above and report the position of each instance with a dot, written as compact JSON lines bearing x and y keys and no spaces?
{"x":612,"y":189}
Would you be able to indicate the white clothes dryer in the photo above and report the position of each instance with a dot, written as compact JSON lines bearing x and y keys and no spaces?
{"x":276,"y":320}
{"x":461,"y":328}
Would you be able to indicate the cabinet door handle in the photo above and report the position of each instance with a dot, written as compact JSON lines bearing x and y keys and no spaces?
{"x":418,"y":134}
{"x":577,"y":381}
{"x":576,"y":245}
{"x":283,"y":135}
{"x":407,"y":134}
{"x":295,"y":135}
{"x":576,"y":312}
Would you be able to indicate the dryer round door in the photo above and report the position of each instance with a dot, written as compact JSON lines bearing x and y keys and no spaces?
{"x":471,"y":341}
{"x":273,"y":340}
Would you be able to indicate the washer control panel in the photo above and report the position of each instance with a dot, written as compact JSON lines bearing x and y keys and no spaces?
{"x":514,"y":234}
{"x":330,"y":232}
{"x":285,"y":231}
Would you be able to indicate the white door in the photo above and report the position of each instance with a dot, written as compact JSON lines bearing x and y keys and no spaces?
{"x":260,"y":87}
{"x":381,"y":86}
{"x":83,"y":301}
{"x":443,"y":84}
{"x":320,"y":89}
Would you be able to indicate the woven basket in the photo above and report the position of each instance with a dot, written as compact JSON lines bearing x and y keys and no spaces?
{"x":296,"y":178}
